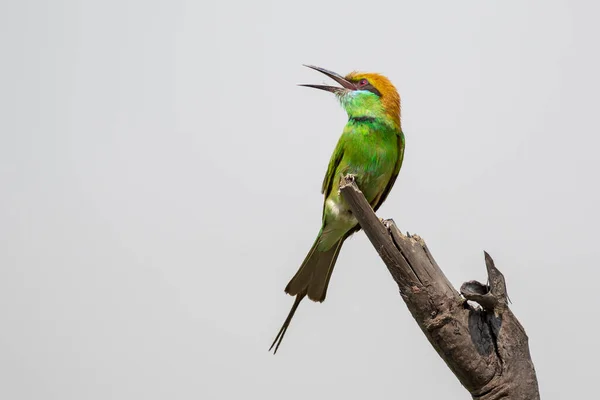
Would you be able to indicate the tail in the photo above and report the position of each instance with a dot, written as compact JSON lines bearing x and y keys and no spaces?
{"x":286,"y":323}
{"x":311,"y":279}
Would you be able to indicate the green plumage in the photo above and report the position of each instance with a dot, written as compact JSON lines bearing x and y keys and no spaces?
{"x":371,"y":148}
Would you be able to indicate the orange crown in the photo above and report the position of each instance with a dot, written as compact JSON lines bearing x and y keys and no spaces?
{"x":389,"y":95}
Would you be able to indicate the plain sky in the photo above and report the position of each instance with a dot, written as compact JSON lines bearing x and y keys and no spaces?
{"x":160,"y":181}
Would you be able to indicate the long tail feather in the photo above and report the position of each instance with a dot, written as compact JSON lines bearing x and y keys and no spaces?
{"x":286,"y":323}
{"x":312,"y":279}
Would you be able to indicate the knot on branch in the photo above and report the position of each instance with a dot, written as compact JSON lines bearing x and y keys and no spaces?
{"x":493,"y":296}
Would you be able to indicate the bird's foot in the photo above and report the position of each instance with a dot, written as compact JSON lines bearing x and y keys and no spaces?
{"x":345,"y":180}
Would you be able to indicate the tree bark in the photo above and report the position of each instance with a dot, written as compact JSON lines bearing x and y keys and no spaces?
{"x":483,"y":344}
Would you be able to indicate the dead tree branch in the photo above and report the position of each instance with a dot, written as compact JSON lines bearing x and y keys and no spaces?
{"x":485,"y":347}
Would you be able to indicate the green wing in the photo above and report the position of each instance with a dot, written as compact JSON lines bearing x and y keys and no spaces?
{"x":336,"y":157}
{"x":390,"y":184}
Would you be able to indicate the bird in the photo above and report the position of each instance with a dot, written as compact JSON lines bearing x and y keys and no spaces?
{"x":371,"y":148}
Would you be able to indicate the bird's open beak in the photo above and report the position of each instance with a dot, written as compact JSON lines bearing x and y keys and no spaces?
{"x":346,"y":85}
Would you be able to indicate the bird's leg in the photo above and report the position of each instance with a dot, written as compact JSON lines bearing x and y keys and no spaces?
{"x":350,"y":177}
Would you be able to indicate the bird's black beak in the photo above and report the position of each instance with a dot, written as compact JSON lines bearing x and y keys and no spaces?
{"x":346,"y":85}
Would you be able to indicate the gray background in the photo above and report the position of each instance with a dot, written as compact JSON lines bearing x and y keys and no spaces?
{"x":160,"y":176}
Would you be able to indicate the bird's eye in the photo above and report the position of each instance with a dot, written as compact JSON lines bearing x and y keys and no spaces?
{"x":363,"y":82}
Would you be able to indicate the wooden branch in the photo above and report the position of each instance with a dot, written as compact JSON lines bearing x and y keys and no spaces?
{"x":485,"y":347}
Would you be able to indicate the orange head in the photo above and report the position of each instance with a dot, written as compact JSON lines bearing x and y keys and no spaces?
{"x":365,"y":94}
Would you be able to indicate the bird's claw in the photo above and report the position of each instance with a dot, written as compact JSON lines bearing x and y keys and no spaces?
{"x":344,"y":180}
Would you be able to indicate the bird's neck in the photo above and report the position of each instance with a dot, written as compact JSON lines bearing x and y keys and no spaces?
{"x":370,"y":109}
{"x":374,"y":120}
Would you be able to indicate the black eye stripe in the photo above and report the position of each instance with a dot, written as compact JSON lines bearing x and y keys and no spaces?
{"x":368,"y":86}
{"x":371,"y":89}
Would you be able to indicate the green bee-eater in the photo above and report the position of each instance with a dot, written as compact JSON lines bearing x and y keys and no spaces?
{"x":372,"y":149}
